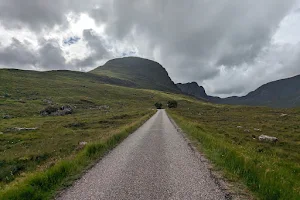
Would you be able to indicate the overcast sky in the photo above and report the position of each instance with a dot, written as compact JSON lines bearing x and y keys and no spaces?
{"x":231,"y":47}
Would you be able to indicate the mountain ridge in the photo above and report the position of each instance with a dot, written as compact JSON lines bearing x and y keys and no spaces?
{"x":283,"y":93}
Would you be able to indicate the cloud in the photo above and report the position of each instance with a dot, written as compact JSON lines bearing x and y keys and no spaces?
{"x":273,"y":63}
{"x":212,"y":33}
{"x":95,"y":44}
{"x":35,"y":14}
{"x":51,"y":56}
{"x":17,"y":54}
{"x":38,"y":15}
{"x":230,"y":47}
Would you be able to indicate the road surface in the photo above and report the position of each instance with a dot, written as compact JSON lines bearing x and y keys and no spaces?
{"x":155,"y":162}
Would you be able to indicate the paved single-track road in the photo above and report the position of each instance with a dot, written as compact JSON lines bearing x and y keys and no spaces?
{"x":155,"y":162}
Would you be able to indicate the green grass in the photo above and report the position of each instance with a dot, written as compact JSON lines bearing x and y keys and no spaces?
{"x":103,"y":115}
{"x":42,"y":185}
{"x":272,"y":171}
{"x":35,"y":164}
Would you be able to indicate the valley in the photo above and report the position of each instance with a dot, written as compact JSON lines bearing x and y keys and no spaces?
{"x":44,"y":146}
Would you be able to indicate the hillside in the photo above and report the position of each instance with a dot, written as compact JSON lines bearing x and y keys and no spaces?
{"x":101,"y":107}
{"x":283,"y":93}
{"x":103,"y":114}
{"x":143,"y":73}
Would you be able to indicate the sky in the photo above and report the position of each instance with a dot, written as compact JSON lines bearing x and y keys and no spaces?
{"x":230,"y":47}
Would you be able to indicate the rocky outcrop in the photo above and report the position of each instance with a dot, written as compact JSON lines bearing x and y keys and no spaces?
{"x":193,"y":89}
{"x":266,"y":138}
{"x":18,"y":129}
{"x":7,"y":117}
{"x":57,"y":111}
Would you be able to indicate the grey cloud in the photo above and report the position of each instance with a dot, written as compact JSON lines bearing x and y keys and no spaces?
{"x":48,"y":57}
{"x":230,"y":90}
{"x":214,"y":33}
{"x":100,"y":14}
{"x":274,"y":63}
{"x":193,"y":70}
{"x":98,"y":50}
{"x":35,"y":14}
{"x":17,"y":54}
{"x":51,"y":56}
{"x":39,"y":14}
{"x":86,"y":62}
{"x":94,"y":42}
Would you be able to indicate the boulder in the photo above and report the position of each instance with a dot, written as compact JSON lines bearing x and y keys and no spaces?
{"x":82,"y":143}
{"x":17,"y":129}
{"x":57,"y":111}
{"x":104,"y":107}
{"x":49,"y":110}
{"x":266,"y":138}
{"x":65,"y":110}
{"x":7,"y":117}
{"x":47,"y":101}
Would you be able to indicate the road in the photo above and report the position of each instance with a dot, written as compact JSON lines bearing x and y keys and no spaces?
{"x":155,"y":162}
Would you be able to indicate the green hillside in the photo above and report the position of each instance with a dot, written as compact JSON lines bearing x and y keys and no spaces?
{"x":35,"y":163}
{"x":143,"y":73}
{"x":101,"y":109}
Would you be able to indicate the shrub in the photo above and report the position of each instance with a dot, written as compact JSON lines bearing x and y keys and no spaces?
{"x":48,"y":110}
{"x":158,"y":105}
{"x":172,"y":104}
{"x":6,"y":95}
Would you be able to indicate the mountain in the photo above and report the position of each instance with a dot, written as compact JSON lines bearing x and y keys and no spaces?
{"x":283,"y":93}
{"x":193,"y":89}
{"x":142,"y":72}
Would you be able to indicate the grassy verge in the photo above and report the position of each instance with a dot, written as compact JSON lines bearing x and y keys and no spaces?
{"x":269,"y":170}
{"x":43,"y":185}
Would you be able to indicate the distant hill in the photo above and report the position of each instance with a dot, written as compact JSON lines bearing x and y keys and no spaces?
{"x":283,"y":93}
{"x":142,"y":72}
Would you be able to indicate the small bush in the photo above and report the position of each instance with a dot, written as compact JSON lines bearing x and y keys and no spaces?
{"x":6,"y":95}
{"x":172,"y":104}
{"x":50,"y":109}
{"x":158,"y":105}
